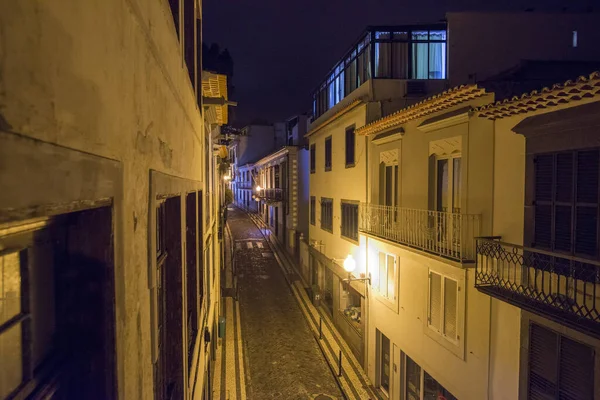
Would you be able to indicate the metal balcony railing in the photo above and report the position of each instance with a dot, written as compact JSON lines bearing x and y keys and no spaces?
{"x":450,"y":235}
{"x":243,"y":185}
{"x":271,"y":194}
{"x":557,"y":286}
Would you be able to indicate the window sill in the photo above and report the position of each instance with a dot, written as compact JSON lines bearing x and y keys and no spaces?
{"x":456,"y":347}
{"x":327,"y":169}
{"x":327,"y":230}
{"x":351,"y":165}
{"x":349,"y":239}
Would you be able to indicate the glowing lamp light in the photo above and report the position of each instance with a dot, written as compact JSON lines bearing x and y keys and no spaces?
{"x":349,"y":263}
{"x":257,"y":188}
{"x":227,"y":178}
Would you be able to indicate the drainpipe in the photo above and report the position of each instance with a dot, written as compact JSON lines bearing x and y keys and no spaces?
{"x":368,"y":314}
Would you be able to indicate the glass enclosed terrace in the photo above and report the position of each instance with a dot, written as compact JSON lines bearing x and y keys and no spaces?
{"x":398,"y":52}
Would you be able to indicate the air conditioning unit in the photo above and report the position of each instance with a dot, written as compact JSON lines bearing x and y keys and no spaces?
{"x":418,"y":87}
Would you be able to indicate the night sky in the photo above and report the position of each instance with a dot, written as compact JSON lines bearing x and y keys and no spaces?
{"x":282,"y":49}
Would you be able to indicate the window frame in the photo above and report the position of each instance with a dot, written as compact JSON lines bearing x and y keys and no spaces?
{"x":350,"y":162}
{"x":343,"y":228}
{"x":329,"y":202}
{"x":403,"y":379}
{"x":313,"y":210}
{"x":441,"y":330}
{"x":451,"y":190}
{"x":328,"y":165}
{"x":376,"y":286}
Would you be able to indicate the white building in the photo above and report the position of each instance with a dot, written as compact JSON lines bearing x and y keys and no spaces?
{"x":418,"y":184}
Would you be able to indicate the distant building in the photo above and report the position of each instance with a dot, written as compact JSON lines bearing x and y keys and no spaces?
{"x":404,"y":177}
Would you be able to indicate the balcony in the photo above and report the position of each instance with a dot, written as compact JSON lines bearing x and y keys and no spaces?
{"x":270,"y":195}
{"x":450,"y":235}
{"x":243,"y":185}
{"x":556,"y":286}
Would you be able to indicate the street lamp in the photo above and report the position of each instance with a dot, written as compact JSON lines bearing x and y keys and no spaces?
{"x":350,"y":266}
{"x":257,"y":188}
{"x":227,"y":178}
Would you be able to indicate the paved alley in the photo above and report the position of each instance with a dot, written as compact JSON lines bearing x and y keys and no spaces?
{"x":281,"y":357}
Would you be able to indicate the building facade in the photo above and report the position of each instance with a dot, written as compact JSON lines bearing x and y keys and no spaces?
{"x":109,"y":245}
{"x":405,"y":193}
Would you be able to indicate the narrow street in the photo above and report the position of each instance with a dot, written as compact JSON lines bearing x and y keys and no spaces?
{"x":282,"y":358}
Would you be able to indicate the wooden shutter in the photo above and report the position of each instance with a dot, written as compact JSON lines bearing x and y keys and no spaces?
{"x":450,"y":307}
{"x":576,"y":370}
{"x":563,"y":196}
{"x":391,"y":277}
{"x":544,"y":168}
{"x":435,"y":300}
{"x":382,"y":274}
{"x":586,"y":213}
{"x":543,"y":357}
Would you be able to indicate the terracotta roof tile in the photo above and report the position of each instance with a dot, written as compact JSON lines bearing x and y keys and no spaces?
{"x":438,"y":102}
{"x":584,"y":87}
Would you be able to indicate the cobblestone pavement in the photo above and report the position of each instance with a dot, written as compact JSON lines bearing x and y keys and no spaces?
{"x":282,"y":358}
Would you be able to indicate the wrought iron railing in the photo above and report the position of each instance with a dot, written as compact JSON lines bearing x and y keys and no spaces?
{"x":271,"y":194}
{"x":243,"y":185}
{"x":558,"y":286}
{"x":450,"y":235}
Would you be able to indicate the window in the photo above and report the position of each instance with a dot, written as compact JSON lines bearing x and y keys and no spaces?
{"x":566,"y":202}
{"x":277,"y":177}
{"x":428,"y":54}
{"x":191,"y":272}
{"x":574,"y":38}
{"x":14,"y":320}
{"x":328,"y":154}
{"x":350,"y":146}
{"x":384,"y":363}
{"x":313,"y":211}
{"x":350,"y":306}
{"x":327,"y":214}
{"x":350,"y":220}
{"x":312,"y":158}
{"x":388,"y":185}
{"x":448,"y":184}
{"x":419,"y":385}
{"x":385,"y":282}
{"x":328,"y":290}
{"x":558,"y":367}
{"x":174,"y":4}
{"x":443,"y":306}
{"x":189,"y":41}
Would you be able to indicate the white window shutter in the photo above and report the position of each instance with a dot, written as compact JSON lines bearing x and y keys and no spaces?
{"x":450,"y":308}
{"x":435,"y":300}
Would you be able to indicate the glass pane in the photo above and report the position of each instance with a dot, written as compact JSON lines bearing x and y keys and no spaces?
{"x":420,"y":35}
{"x":450,"y":303}
{"x":434,"y":391}
{"x":391,"y":276}
{"x":456,"y":184}
{"x":437,"y":61}
{"x":413,"y":380}
{"x":400,"y":60}
{"x":419,"y":60}
{"x":389,"y":187}
{"x":11,"y":367}
{"x":385,"y":363}
{"x":382,"y":60}
{"x":437,"y":35}
{"x":435,"y":300}
{"x":10,"y":286}
{"x":400,"y":35}
{"x":442,"y":185}
{"x":382,"y":275}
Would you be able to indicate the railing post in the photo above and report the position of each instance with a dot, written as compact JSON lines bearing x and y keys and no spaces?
{"x":320,"y":328}
{"x":340,"y":363}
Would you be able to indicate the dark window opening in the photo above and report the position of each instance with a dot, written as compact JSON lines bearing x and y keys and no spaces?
{"x":328,"y":150}
{"x":566,"y":202}
{"x":191,"y":244}
{"x":313,"y":160}
{"x":189,"y":41}
{"x":174,"y":4}
{"x":313,"y":204}
{"x":350,"y":146}
{"x":327,"y":214}
{"x":350,"y":220}
{"x":57,"y":316}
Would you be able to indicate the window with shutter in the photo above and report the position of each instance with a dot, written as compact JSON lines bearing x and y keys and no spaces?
{"x":313,"y":212}
{"x":350,"y":146}
{"x":559,"y":367}
{"x":385,"y":280}
{"x":450,"y":303}
{"x":435,"y":300}
{"x":313,"y":161}
{"x":328,"y":150}
{"x":566,"y":202}
{"x":382,"y":274}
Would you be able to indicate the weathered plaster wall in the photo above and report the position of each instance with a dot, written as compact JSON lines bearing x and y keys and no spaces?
{"x":106,"y":78}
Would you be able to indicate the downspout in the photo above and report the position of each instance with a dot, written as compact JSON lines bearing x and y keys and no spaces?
{"x":366,"y":346}
{"x":489,"y":377}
